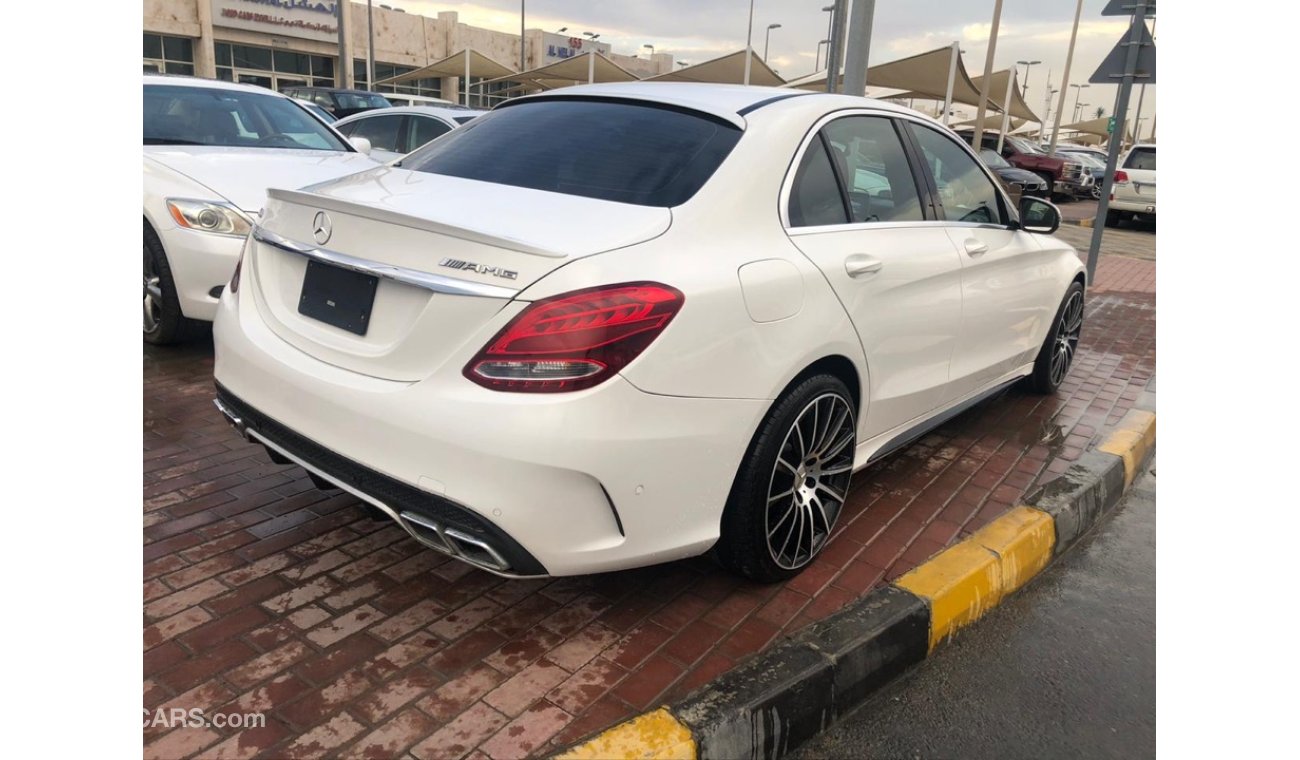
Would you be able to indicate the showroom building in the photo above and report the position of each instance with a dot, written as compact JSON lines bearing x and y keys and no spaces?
{"x":287,"y":43}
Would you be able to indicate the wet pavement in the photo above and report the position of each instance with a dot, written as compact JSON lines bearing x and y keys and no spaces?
{"x":1064,"y":669}
{"x":262,"y":594}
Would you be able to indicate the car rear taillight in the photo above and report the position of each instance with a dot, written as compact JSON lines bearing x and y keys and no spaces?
{"x":575,"y":340}
{"x":1121,"y":176}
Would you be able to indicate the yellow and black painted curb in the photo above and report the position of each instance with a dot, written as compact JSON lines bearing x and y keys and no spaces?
{"x":775,"y":702}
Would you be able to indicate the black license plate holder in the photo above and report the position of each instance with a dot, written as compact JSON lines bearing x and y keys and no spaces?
{"x":337,"y":296}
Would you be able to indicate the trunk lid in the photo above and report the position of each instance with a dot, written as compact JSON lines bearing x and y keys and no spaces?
{"x":450,"y":254}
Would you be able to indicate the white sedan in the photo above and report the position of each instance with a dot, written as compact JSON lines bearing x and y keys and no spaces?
{"x":211,"y":150}
{"x":617,"y":325}
{"x":394,"y":132}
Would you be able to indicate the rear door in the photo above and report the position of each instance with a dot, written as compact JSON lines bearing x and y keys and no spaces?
{"x":855,"y":208}
{"x":1006,"y":280}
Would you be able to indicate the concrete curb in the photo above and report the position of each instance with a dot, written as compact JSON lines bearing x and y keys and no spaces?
{"x":773,"y":703}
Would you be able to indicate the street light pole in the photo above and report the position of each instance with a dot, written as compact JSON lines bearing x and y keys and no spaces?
{"x":749,"y":41}
{"x":1075,"y":113}
{"x":1024,"y":89}
{"x":767,"y":37}
{"x":522,"y":40}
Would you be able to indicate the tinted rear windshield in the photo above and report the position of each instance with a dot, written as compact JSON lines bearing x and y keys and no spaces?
{"x":1141,"y":158}
{"x":644,"y":154}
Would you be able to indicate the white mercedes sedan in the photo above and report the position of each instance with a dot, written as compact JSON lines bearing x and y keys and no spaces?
{"x":211,"y":150}
{"x":616,"y":325}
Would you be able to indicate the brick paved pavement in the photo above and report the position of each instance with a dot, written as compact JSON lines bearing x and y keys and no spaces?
{"x":262,"y":594}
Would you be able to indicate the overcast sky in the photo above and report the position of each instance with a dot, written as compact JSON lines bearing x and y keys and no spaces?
{"x":696,"y":30}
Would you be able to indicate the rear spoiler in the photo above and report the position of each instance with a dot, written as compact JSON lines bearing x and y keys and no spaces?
{"x":306,"y":198}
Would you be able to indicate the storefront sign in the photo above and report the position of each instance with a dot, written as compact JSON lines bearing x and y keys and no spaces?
{"x":308,"y":19}
{"x":558,"y":47}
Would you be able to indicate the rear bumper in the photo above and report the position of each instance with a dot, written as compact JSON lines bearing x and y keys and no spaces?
{"x":1134,"y":205}
{"x":557,"y":484}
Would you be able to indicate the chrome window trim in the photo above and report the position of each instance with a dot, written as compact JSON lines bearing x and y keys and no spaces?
{"x":427,"y":280}
{"x":787,"y":184}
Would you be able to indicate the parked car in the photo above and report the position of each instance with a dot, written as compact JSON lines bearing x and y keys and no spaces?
{"x":402,"y":99}
{"x":1017,"y":182}
{"x":338,"y":102}
{"x":211,"y":149}
{"x":394,"y":132}
{"x":317,"y":111}
{"x":1134,"y":192}
{"x":1064,"y":176}
{"x":616,"y":325}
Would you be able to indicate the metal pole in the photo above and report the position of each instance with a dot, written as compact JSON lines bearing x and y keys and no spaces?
{"x":1112,"y":154}
{"x":952,"y":79}
{"x":835,"y":53}
{"x":466,"y":100}
{"x":345,"y":65}
{"x":858,"y":47}
{"x":749,"y":41}
{"x":977,"y":138}
{"x":1006,"y":108}
{"x":522,"y":41}
{"x":1047,"y":108}
{"x":1065,"y":78}
{"x":370,"y":47}
{"x":591,"y":67}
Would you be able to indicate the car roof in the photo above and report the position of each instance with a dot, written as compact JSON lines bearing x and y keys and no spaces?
{"x":727,"y":101}
{"x":447,"y":114}
{"x":332,"y":89}
{"x":180,"y":80}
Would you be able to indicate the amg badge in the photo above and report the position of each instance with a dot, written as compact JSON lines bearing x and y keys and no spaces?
{"x":508,"y":274}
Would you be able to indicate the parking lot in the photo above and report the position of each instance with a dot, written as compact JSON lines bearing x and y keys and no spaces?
{"x":265,"y":595}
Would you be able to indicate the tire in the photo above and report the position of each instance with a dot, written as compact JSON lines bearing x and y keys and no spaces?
{"x":808,"y":436}
{"x":1112,"y":218}
{"x":164,"y":323}
{"x":1061,"y":344}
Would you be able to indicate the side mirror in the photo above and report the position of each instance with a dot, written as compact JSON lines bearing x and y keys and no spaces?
{"x":1039,"y":216}
{"x":361,"y":144}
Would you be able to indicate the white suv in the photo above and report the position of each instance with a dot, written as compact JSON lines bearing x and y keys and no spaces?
{"x":1134,"y":192}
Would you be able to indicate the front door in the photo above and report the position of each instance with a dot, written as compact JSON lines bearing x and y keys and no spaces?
{"x":855,"y":209}
{"x":1007,"y":278}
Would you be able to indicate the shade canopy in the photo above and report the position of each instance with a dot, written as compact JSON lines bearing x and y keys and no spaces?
{"x":998,"y":94}
{"x":729,"y":69}
{"x":588,"y":68}
{"x":466,"y":62}
{"x":996,"y":123}
{"x":1096,"y":127}
{"x":924,"y":76}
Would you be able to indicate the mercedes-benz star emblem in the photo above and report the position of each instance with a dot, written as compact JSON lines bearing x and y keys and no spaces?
{"x":322,"y":227}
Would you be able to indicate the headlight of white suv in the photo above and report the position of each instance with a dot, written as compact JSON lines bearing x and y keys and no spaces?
{"x":209,"y":216}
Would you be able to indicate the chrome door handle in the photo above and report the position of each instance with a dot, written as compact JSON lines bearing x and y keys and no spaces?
{"x":975,"y":247}
{"x":860,"y":263}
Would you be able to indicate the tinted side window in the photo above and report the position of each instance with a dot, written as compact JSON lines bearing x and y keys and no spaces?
{"x":874,"y":169}
{"x":381,"y":131}
{"x":424,"y":129}
{"x":598,"y":148}
{"x":815,"y":195}
{"x":1141,"y":158}
{"x":966,"y":192}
